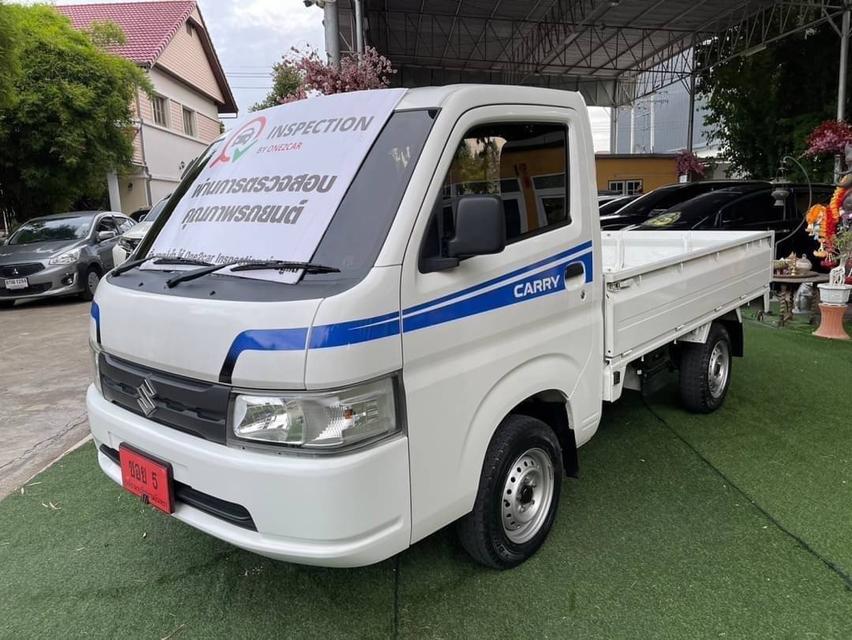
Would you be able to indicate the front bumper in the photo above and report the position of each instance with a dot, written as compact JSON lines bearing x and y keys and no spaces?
{"x":339,"y":511}
{"x":55,"y":280}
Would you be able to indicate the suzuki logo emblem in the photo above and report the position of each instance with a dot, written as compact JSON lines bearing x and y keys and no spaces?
{"x":147,"y":394}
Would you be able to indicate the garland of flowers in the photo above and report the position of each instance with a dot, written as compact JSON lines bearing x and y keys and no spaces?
{"x":822,"y":222}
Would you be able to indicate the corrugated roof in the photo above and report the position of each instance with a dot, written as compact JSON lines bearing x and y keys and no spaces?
{"x":148,"y":26}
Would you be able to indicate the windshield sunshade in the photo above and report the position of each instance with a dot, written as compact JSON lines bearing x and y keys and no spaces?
{"x":271,"y":188}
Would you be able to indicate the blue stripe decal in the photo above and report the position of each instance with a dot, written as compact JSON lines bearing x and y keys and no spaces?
{"x":96,"y":315}
{"x":344,"y":333}
{"x":262,"y":340}
{"x":537,"y":285}
{"x":427,"y":314}
{"x":506,"y":276}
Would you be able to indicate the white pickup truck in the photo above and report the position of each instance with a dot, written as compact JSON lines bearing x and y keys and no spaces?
{"x":433,"y":349}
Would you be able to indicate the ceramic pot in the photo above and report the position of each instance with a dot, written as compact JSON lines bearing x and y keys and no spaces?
{"x":833,"y":294}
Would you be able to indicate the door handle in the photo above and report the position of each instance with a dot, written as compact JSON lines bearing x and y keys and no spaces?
{"x":575,"y":275}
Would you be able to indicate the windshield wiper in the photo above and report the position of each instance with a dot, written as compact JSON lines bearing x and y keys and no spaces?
{"x":127,"y":266}
{"x":257,"y":265}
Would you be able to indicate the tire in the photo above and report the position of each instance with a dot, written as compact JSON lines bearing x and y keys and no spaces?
{"x":705,"y":371}
{"x":523,"y":461}
{"x":90,"y":283}
{"x":7,"y":304}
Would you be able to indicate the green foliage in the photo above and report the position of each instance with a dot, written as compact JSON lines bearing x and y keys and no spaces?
{"x":763,"y":106}
{"x":8,"y":56}
{"x":285,"y":81}
{"x":105,"y":34}
{"x":71,"y":122}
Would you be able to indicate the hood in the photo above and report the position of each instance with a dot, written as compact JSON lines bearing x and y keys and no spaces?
{"x":36,"y":251}
{"x":254,"y":344}
{"x":137,"y":231}
{"x":314,"y":342}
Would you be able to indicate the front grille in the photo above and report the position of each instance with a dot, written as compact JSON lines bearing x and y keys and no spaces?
{"x":222,"y":509}
{"x":192,"y":406}
{"x":28,"y":291}
{"x":20,"y":270}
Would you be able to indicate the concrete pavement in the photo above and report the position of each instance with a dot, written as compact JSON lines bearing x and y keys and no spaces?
{"x":44,"y":372}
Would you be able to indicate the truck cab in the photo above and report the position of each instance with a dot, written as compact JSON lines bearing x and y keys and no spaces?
{"x":434,"y":349}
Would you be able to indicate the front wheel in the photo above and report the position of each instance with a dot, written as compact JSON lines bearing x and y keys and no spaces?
{"x":705,"y":371}
{"x":518,"y":494}
{"x":90,"y":284}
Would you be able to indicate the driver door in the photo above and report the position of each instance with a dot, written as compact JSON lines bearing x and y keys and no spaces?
{"x":103,"y":248}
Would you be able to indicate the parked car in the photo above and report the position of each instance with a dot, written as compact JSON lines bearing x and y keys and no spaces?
{"x":610,"y":206}
{"x":62,"y":254}
{"x":749,"y":207}
{"x":140,"y":213}
{"x":660,"y":199}
{"x":129,"y":240}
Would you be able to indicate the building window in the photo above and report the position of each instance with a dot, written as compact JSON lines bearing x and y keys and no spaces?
{"x":161,"y":110}
{"x":626,"y":187}
{"x":189,"y":122}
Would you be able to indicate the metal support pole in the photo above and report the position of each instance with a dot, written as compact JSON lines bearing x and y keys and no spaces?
{"x":632,"y":127}
{"x":690,"y":118}
{"x":332,"y":40}
{"x":613,"y":129}
{"x":841,"y":82}
{"x":359,"y":27}
{"x":653,"y":121}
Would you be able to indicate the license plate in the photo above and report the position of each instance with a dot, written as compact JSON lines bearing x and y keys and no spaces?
{"x":147,"y":478}
{"x":17,"y":283}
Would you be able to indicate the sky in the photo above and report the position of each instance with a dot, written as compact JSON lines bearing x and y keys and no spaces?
{"x":251,"y":35}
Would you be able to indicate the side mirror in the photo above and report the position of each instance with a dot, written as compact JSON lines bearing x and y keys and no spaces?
{"x":480,"y":230}
{"x":106,"y":235}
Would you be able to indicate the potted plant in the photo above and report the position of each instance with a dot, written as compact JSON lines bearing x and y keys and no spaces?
{"x":836,"y":291}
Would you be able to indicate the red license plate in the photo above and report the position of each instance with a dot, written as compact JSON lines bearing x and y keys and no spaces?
{"x":147,"y":478}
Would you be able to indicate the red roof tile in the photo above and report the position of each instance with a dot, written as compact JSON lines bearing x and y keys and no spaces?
{"x":148,"y":26}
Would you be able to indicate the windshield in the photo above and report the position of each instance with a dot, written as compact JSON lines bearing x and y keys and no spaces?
{"x":52,"y":229}
{"x":692,"y":213}
{"x":361,"y":221}
{"x":156,"y":210}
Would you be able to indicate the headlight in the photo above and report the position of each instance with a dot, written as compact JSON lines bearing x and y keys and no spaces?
{"x":95,"y":351}
{"x":69,"y":257}
{"x":318,"y":420}
{"x":127,"y":244}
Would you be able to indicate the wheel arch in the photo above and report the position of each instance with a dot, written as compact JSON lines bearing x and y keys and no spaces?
{"x":528,"y":390}
{"x":733,"y":323}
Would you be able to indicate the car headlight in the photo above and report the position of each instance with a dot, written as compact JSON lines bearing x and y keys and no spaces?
{"x":69,"y":257}
{"x":319,"y":420}
{"x":127,"y":244}
{"x":95,"y":351}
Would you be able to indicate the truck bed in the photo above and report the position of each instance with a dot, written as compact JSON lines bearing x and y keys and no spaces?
{"x":661,"y":285}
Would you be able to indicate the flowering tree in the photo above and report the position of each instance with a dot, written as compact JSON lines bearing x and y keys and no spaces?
{"x":829,"y":138}
{"x":302,"y":74}
{"x":688,"y":164}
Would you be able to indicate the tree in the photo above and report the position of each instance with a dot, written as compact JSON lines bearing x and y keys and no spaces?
{"x":301,"y":74}
{"x":71,"y":121}
{"x":8,"y":56}
{"x":764,"y":106}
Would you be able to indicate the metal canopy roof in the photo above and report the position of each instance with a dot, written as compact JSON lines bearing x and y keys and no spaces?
{"x":613,"y":51}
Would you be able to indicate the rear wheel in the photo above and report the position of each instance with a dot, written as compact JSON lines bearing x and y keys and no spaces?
{"x":7,"y":304}
{"x":90,"y":283}
{"x":705,"y":371}
{"x":518,"y":494}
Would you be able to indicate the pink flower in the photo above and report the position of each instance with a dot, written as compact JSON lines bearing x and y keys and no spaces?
{"x":829,"y":138}
{"x":689,"y":164}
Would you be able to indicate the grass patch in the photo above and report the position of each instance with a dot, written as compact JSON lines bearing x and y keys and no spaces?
{"x":734,"y":525}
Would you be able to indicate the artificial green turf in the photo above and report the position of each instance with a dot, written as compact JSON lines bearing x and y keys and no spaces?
{"x":652,"y":542}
